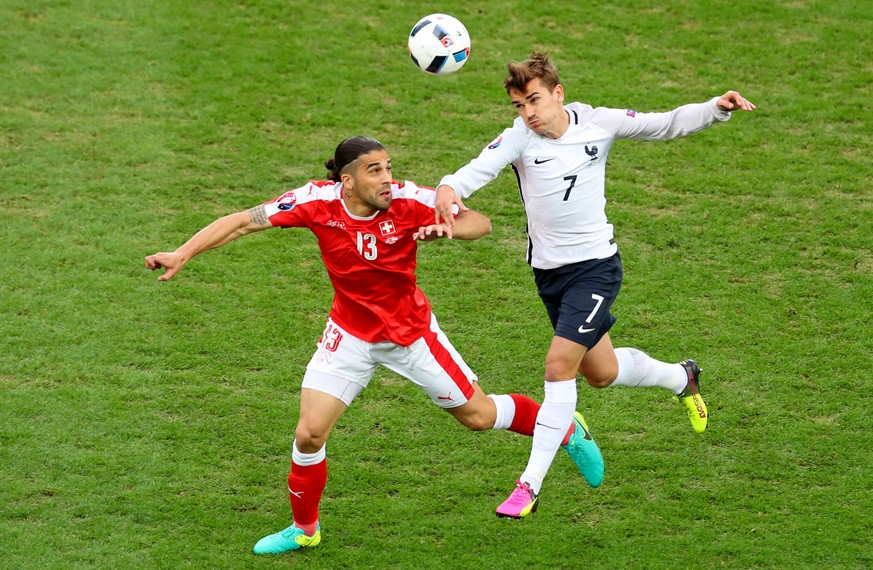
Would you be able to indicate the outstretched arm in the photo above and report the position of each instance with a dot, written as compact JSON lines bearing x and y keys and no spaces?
{"x":681,"y":121}
{"x":221,"y":231}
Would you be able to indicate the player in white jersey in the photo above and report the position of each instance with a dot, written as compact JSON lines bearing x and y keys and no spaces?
{"x":558,"y":152}
{"x":368,"y":227}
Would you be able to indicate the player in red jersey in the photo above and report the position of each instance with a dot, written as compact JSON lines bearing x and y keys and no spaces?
{"x":368,"y":226}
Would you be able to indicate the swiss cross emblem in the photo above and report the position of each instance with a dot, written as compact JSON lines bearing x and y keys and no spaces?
{"x":386,"y":227}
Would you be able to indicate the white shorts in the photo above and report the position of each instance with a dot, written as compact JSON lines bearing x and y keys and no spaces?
{"x":343,"y":365}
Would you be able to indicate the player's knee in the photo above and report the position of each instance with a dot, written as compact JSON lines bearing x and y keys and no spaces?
{"x":599,"y":381}
{"x":309,"y":439}
{"x":560,"y":369}
{"x":600,"y":369}
{"x":600,"y":377}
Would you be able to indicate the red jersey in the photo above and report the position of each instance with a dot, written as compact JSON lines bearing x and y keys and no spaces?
{"x":370,"y":261}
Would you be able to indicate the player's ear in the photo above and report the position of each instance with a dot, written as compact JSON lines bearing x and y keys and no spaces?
{"x":559,"y":92}
{"x":348,"y":181}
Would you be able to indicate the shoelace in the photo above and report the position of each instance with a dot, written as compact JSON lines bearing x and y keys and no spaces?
{"x":520,"y":487}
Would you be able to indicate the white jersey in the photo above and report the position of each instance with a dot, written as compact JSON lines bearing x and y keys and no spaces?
{"x":562,"y":181}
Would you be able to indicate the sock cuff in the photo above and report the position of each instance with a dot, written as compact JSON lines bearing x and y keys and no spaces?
{"x":626,"y":367}
{"x":561,"y":391}
{"x":505,"y":410}
{"x":307,"y":459}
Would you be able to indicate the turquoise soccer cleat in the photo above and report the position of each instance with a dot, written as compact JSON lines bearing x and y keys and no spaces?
{"x":584,"y":452}
{"x":292,"y":538}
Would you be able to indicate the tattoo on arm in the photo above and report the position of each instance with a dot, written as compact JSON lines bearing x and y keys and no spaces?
{"x":258,"y":214}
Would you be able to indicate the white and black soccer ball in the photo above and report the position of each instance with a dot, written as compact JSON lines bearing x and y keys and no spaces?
{"x":439,"y":44}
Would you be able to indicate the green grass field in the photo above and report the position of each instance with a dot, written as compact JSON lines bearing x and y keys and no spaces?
{"x":148,"y":425}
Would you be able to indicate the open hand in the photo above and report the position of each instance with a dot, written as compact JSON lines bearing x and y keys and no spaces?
{"x":433,"y":231}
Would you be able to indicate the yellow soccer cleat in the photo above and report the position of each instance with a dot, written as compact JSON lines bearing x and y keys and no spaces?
{"x":691,"y":397}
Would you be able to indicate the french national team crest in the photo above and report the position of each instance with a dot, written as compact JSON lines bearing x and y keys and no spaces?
{"x":386,"y":227}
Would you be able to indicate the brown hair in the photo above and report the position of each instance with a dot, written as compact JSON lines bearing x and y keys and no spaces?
{"x":537,"y":66}
{"x":347,"y":152}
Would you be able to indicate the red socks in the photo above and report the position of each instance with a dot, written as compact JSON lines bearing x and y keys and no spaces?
{"x":525,"y":418}
{"x":305,"y":486}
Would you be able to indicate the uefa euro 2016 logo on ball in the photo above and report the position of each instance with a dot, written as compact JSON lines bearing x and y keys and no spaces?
{"x":439,"y":44}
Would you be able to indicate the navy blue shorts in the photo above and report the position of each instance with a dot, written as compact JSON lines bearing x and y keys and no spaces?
{"x":579,"y":296}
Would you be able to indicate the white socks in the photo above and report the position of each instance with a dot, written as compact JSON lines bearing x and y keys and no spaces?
{"x":554,"y":416}
{"x":639,"y":370}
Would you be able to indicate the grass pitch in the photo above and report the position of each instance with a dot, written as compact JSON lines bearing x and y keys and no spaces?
{"x":149,"y":425}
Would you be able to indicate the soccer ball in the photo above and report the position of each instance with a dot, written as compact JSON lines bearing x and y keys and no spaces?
{"x":439,"y":44}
